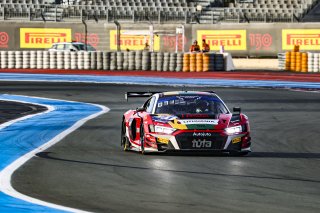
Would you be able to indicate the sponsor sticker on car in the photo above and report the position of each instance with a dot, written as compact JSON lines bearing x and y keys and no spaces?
{"x":236,"y":140}
{"x":199,"y":121}
{"x":201,"y":134}
{"x":163,"y":140}
{"x":201,"y":143}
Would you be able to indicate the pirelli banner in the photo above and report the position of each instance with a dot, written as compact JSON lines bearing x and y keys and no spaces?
{"x":42,"y":38}
{"x":307,"y":39}
{"x":132,"y":40}
{"x":230,"y":39}
{"x":240,"y":42}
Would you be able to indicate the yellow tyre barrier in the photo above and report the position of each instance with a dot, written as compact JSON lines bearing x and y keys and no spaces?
{"x":199,"y":63}
{"x":193,"y":62}
{"x":206,"y":62}
{"x":199,"y":67}
{"x":186,"y":62}
{"x":304,"y":62}
{"x":297,"y":61}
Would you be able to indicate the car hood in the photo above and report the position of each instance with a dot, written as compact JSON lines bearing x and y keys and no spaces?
{"x":193,"y":121}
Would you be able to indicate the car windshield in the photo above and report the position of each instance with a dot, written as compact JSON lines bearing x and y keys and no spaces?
{"x":190,"y":104}
{"x":90,"y":48}
{"x":83,"y":47}
{"x":80,"y":46}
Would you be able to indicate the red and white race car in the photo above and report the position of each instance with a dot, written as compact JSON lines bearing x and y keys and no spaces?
{"x":184,"y":121}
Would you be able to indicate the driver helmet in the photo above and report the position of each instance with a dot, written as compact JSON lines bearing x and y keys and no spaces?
{"x":202,"y":107}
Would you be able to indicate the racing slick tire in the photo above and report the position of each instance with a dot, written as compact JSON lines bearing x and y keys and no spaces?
{"x":238,"y":154}
{"x":142,"y":139}
{"x":125,"y":143}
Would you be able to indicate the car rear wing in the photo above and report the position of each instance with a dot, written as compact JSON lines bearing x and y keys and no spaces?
{"x":139,"y":94}
{"x":146,"y":94}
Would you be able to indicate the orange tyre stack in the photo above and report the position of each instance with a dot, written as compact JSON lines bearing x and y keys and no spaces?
{"x":288,"y":60}
{"x":292,"y":61}
{"x":186,"y":62}
{"x":304,"y":62}
{"x":193,"y":62}
{"x":298,"y":61}
{"x":206,"y":62}
{"x":199,"y":66}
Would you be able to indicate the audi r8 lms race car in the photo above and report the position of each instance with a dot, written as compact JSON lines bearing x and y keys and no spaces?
{"x":184,"y":121}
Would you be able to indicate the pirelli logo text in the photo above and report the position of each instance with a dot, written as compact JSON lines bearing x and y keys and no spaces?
{"x":43,"y":37}
{"x":132,"y":42}
{"x":307,"y":39}
{"x":230,"y":39}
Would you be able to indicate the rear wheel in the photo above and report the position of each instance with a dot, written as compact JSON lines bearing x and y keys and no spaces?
{"x":125,"y":143}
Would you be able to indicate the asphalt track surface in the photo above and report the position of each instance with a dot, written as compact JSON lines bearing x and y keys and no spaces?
{"x":89,"y":171}
{"x":10,"y":110}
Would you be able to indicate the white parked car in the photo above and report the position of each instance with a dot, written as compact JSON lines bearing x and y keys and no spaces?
{"x":71,"y":46}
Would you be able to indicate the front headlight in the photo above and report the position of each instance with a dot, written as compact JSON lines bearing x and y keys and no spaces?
{"x":234,"y":130}
{"x":166,"y":130}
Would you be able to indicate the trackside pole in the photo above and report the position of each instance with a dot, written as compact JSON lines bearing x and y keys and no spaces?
{"x":151,"y":38}
{"x":118,"y":34}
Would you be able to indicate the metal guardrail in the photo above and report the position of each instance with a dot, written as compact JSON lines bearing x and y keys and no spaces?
{"x":76,"y":13}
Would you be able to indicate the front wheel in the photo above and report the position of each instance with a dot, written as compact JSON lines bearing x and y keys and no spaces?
{"x":125,"y":143}
{"x":142,"y":140}
{"x":239,"y":154}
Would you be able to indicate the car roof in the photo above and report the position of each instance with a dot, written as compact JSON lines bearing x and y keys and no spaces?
{"x":69,"y":43}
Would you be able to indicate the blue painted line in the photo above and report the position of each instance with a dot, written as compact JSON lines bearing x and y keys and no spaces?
{"x":159,"y":81}
{"x":10,"y":204}
{"x":24,"y":136}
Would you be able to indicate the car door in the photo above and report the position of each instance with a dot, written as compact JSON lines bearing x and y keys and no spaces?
{"x":137,"y":123}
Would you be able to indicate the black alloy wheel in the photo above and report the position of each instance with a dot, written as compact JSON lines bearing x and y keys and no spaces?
{"x":125,"y":143}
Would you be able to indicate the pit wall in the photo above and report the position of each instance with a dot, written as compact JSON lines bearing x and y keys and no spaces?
{"x":257,"y":40}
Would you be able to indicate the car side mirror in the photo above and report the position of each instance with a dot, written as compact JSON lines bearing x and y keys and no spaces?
{"x":236,"y":110}
{"x":236,"y":115}
{"x":140,"y":109}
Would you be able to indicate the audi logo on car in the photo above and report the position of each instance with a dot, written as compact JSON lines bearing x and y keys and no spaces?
{"x":201,"y":134}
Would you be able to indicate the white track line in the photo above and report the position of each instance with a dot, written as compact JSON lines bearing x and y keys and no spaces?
{"x":6,"y":173}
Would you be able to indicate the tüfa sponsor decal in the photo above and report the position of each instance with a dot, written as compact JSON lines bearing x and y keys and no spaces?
{"x":43,"y":37}
{"x":307,"y":39}
{"x":230,"y":39}
{"x":199,"y":143}
{"x":132,"y":42}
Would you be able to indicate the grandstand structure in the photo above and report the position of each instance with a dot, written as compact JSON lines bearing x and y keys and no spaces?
{"x":157,"y":11}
